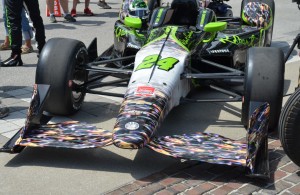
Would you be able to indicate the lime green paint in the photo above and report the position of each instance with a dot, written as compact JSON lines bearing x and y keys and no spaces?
{"x":262,"y":33}
{"x":187,"y":37}
{"x":160,"y":11}
{"x":215,"y":26}
{"x":163,"y":64}
{"x":167,"y":30}
{"x":167,"y":63}
{"x":203,"y":17}
{"x":249,"y":41}
{"x":245,"y":19}
{"x":271,"y":21}
{"x":8,"y":24}
{"x":173,"y":36}
{"x":133,"y":22}
{"x":211,"y":38}
{"x":119,"y":32}
{"x":148,"y":62}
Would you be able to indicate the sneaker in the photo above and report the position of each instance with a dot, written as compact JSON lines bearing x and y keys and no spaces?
{"x":3,"y":111}
{"x":26,"y":50}
{"x":103,"y":4}
{"x":73,"y":13}
{"x":88,"y":12}
{"x":13,"y":60}
{"x":52,"y":19}
{"x":69,"y":18}
{"x":5,"y":47}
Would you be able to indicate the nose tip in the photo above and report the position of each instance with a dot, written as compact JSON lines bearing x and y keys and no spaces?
{"x":129,"y":141}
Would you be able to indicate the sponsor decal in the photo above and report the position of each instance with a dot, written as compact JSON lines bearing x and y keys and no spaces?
{"x":133,"y":46}
{"x":250,"y":41}
{"x":119,"y":32}
{"x":132,"y":125}
{"x":145,"y":91}
{"x":163,"y":64}
{"x":220,"y":51}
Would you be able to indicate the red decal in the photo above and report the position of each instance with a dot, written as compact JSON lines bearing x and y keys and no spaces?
{"x":145,"y":91}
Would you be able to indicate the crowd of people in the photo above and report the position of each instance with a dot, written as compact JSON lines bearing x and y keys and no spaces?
{"x":16,"y":15}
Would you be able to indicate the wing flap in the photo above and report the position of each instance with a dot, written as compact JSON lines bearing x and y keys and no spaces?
{"x":205,"y":147}
{"x":69,"y":134}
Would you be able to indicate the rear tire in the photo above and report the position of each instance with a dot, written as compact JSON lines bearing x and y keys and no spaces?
{"x":264,"y":78}
{"x":58,"y":67}
{"x":289,"y":127}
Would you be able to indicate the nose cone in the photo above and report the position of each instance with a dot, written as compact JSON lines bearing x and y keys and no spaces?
{"x":138,"y":119}
{"x":134,"y":131}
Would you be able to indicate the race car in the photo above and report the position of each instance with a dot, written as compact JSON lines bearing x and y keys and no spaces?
{"x":160,"y":61}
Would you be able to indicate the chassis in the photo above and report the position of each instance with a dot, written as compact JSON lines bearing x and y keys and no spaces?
{"x":161,"y":65}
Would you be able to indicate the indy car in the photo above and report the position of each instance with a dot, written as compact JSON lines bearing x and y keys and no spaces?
{"x":161,"y":60}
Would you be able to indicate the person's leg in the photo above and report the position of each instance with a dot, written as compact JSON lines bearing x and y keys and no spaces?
{"x":86,"y":3}
{"x":35,"y":16}
{"x":27,"y":34}
{"x":50,"y":6}
{"x":103,"y":4}
{"x":87,"y":10}
{"x":67,"y":16}
{"x":13,"y":13}
{"x":65,"y":6}
{"x":73,"y":11}
{"x":5,"y":45}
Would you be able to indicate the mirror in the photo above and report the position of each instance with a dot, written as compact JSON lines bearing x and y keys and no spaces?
{"x":215,"y":26}
{"x":133,"y":22}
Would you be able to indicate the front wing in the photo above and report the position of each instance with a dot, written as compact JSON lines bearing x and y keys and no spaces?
{"x":204,"y":147}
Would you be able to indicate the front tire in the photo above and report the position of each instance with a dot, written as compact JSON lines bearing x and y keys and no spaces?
{"x":58,"y":67}
{"x":264,"y":78}
{"x":289,"y":127}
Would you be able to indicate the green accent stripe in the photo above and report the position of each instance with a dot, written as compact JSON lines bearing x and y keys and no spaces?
{"x":203,"y":17}
{"x":8,"y":26}
{"x":173,"y":36}
{"x":159,"y":15}
{"x":173,"y":30}
{"x":261,"y":33}
{"x":159,"y":38}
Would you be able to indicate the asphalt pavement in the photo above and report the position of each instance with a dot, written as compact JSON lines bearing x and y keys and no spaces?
{"x":112,"y":170}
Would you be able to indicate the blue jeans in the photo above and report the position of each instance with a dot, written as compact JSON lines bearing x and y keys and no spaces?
{"x":26,"y":29}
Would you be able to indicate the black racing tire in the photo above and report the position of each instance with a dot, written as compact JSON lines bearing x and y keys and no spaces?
{"x":289,"y":127}
{"x":264,"y":79}
{"x":58,"y":67}
{"x":269,"y":32}
{"x":298,"y":79}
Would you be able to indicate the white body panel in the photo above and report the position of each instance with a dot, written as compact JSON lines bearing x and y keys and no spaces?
{"x":167,"y":81}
